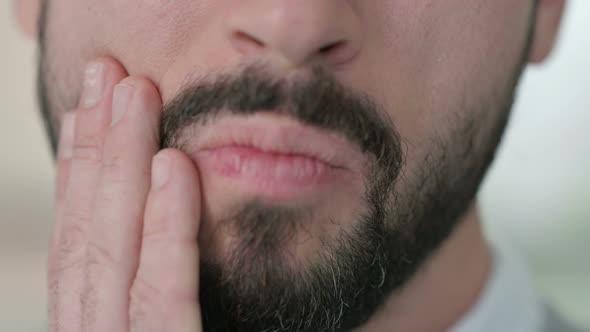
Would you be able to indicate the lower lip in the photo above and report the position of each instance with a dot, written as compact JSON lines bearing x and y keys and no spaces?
{"x":269,"y":174}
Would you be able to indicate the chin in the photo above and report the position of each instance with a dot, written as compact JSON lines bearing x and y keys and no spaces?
{"x":250,"y":235}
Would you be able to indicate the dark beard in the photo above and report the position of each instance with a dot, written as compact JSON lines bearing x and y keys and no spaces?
{"x":358,"y":269}
{"x":256,"y":289}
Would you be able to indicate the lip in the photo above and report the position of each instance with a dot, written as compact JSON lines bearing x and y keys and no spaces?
{"x":279,"y":135}
{"x":274,"y":156}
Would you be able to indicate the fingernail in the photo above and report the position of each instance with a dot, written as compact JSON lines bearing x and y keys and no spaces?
{"x":160,"y":171}
{"x":121,"y":98}
{"x":93,"y":84}
{"x":66,"y":139}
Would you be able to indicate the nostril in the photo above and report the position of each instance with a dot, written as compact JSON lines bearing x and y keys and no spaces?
{"x":246,"y":43}
{"x":330,"y":48}
{"x":337,"y":53}
{"x":247,"y":38}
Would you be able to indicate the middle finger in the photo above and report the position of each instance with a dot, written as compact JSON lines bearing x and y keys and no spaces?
{"x":115,"y":236}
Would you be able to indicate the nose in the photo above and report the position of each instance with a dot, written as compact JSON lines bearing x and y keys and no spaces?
{"x":295,"y":33}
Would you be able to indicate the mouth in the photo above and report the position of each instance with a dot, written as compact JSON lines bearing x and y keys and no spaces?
{"x":274,"y":156}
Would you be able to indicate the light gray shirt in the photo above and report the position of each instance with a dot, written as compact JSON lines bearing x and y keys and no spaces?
{"x":509,"y":302}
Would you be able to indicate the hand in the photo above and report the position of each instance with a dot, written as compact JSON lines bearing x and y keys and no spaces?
{"x":124,"y":254}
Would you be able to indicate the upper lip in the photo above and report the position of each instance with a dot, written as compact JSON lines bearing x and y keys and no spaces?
{"x":277,"y":134}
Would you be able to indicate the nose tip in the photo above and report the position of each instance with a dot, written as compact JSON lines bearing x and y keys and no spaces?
{"x":296,"y":32}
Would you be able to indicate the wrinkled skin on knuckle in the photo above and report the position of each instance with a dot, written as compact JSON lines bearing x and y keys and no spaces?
{"x":146,"y":302}
{"x":113,"y":167}
{"x":100,"y":257}
{"x":157,"y":230}
{"x":88,"y":148}
{"x":71,"y":248}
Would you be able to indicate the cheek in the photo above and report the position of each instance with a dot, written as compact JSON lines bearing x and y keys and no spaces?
{"x":438,"y":62}
{"x":146,"y":36}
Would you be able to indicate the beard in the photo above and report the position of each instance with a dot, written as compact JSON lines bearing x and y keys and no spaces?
{"x":257,"y":287}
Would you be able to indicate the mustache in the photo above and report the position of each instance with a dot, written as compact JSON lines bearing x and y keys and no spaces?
{"x":316,"y":99}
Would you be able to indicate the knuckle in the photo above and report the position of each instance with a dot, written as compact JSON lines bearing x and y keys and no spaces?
{"x":113,"y":162}
{"x":71,"y":247}
{"x":157,"y":229}
{"x":145,"y":299}
{"x":100,"y":256}
{"x":113,"y":168}
{"x":87,"y":148}
{"x":177,"y":256}
{"x":89,"y":303}
{"x":53,"y":289}
{"x":58,"y":291}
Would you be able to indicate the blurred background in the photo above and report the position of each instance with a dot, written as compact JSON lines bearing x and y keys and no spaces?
{"x":536,"y":199}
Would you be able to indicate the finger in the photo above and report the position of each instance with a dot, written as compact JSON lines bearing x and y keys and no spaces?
{"x":115,"y":234}
{"x":164,"y":295}
{"x":66,"y":271}
{"x":64,"y":155}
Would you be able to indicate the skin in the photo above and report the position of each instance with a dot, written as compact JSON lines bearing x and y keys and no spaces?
{"x":404,"y":54}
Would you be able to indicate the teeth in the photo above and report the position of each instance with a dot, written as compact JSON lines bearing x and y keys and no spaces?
{"x":236,"y":162}
{"x":282,"y":171}
{"x":251,"y":168}
{"x":299,"y":171}
{"x":279,"y":168}
{"x":309,"y":167}
{"x":295,"y":169}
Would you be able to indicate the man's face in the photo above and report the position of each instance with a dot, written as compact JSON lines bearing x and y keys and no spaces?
{"x":338,"y":142}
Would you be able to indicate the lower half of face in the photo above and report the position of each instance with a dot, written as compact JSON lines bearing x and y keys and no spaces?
{"x":329,"y":195}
